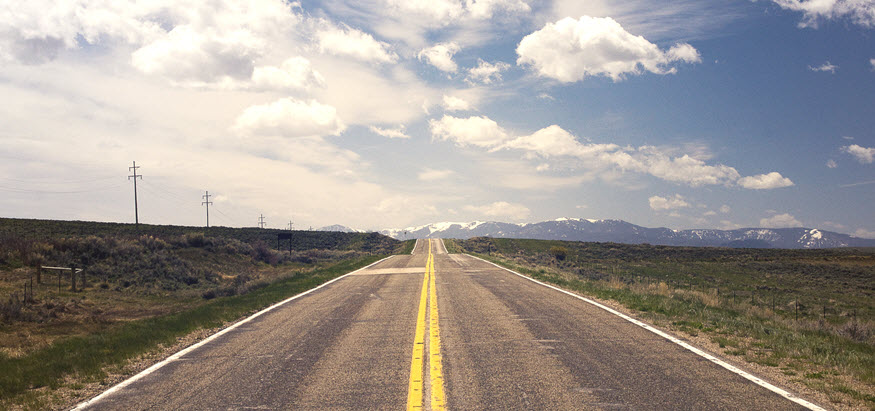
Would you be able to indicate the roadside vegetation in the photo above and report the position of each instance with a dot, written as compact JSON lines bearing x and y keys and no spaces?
{"x":808,"y":314}
{"x":142,"y":289}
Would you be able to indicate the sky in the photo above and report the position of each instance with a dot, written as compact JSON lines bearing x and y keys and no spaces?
{"x":382,"y":114}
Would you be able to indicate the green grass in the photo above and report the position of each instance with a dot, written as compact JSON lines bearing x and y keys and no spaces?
{"x":86,"y":356}
{"x":648,"y":284}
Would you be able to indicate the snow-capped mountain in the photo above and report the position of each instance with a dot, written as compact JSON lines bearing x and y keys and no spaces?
{"x":340,"y":228}
{"x":618,"y":231}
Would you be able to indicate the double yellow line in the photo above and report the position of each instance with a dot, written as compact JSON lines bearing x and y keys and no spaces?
{"x":416,"y":386}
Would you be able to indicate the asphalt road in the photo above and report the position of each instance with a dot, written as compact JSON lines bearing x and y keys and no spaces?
{"x":504,"y":343}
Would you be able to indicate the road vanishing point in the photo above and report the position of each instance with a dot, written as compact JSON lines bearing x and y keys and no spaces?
{"x":433,"y":330}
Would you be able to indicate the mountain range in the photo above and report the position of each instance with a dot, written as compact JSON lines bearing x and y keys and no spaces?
{"x":619,"y":231}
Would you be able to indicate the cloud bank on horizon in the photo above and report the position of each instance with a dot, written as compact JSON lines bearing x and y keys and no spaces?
{"x":391,"y":113}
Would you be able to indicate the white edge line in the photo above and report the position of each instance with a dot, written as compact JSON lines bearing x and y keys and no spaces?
{"x":415,"y":243}
{"x":193,"y":347}
{"x":753,"y":378}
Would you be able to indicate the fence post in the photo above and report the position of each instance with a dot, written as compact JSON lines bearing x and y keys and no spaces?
{"x":73,"y":277}
{"x":39,"y":274}
{"x":59,"y":280}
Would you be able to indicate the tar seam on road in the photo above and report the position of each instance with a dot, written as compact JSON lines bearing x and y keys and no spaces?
{"x":191,"y":348}
{"x":753,"y":378}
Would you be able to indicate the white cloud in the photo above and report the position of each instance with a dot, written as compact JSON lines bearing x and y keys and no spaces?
{"x":430,"y":174}
{"x":569,"y":50}
{"x":780,"y":221}
{"x":864,"y":233}
{"x":709,"y":213}
{"x":476,"y":131}
{"x":545,"y":96}
{"x":441,"y":56}
{"x":346,"y":41}
{"x":725,"y":209}
{"x":658,"y":203}
{"x":831,"y":163}
{"x":553,"y":141}
{"x":188,"y":56}
{"x":501,"y":209}
{"x":484,"y":9}
{"x":288,"y":117}
{"x":486,"y":72}
{"x":453,"y":103}
{"x":765,"y":181}
{"x":432,"y":13}
{"x":872,"y":62}
{"x":865,"y":155}
{"x":397,"y":132}
{"x":827,"y":66}
{"x":861,"y":12}
{"x":295,"y":73}
{"x":686,"y":169}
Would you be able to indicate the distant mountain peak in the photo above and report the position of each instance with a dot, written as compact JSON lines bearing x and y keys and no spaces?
{"x":619,"y":231}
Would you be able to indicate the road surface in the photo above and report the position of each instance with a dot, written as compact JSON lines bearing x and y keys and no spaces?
{"x":379,"y":339}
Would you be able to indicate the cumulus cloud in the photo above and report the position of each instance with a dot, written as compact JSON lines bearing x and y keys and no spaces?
{"x":486,"y":72}
{"x":864,"y":233}
{"x":288,"y":117}
{"x":872,"y":63}
{"x":553,"y":141}
{"x":825,"y":67}
{"x":346,"y":41}
{"x":187,"y":55}
{"x":501,"y":209}
{"x":570,"y":50}
{"x":865,"y":155}
{"x":453,"y":103}
{"x":861,"y":12}
{"x":765,"y":181}
{"x":397,"y":132}
{"x":658,"y":203}
{"x":441,"y":56}
{"x":780,"y":221}
{"x":295,"y":73}
{"x":725,"y":209}
{"x":474,"y":131}
{"x":831,"y":163}
{"x":430,"y":174}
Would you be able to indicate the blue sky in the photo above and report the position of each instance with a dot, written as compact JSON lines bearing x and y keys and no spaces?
{"x":386,"y":113}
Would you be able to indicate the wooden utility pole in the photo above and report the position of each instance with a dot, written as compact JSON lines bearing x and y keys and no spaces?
{"x":261,"y":221}
{"x":135,"y":176}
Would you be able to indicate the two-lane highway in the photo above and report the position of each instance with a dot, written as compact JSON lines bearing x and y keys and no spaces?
{"x":431,"y":330}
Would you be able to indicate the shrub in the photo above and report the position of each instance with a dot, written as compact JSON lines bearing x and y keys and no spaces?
{"x":558,"y":252}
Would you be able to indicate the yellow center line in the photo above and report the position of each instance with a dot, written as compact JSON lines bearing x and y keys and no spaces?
{"x":415,"y":387}
{"x":434,"y":344}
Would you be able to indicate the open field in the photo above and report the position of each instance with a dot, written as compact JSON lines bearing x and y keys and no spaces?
{"x":142,"y":289}
{"x":806,"y":314}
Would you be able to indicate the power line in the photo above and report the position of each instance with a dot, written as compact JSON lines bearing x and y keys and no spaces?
{"x":135,"y":176}
{"x":207,"y":203}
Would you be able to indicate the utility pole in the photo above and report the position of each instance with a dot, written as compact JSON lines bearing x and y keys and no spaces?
{"x":261,"y":221}
{"x":207,"y":203}
{"x":135,"y":176}
{"x":291,"y":226}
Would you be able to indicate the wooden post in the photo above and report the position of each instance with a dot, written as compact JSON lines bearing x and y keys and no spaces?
{"x":82,"y":278}
{"x":73,"y":278}
{"x":39,"y":274}
{"x":59,"y":280}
